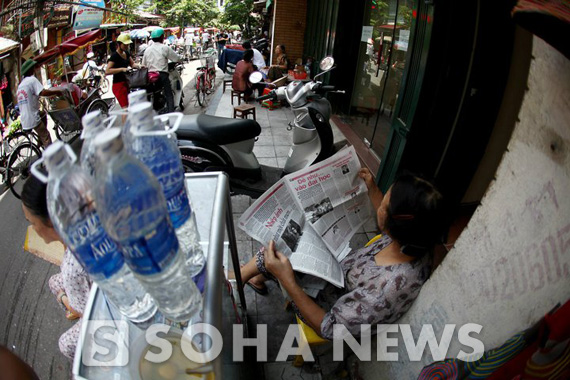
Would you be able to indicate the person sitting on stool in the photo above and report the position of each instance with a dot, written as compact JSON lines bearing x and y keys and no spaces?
{"x":243,"y":70}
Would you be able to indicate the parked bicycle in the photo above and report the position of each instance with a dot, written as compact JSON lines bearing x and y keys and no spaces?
{"x":206,"y":76}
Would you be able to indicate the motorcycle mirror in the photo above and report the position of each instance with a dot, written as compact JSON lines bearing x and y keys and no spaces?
{"x":255,"y":77}
{"x":326,"y":63}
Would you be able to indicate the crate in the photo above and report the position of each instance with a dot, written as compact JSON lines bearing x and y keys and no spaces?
{"x":207,"y":60}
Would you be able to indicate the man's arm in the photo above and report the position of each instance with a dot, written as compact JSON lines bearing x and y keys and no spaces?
{"x":171,"y":55}
{"x":52,"y":92}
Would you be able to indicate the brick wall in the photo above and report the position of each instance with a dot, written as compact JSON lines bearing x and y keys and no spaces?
{"x":290,"y":19}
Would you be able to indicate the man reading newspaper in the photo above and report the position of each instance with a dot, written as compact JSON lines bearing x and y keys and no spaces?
{"x":306,"y":221}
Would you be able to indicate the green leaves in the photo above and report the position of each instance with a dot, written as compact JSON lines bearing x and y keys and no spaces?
{"x":187,"y":12}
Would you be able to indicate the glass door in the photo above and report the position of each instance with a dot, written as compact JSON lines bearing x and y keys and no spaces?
{"x":381,"y":62}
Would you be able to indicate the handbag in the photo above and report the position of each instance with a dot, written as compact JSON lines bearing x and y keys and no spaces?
{"x":137,"y":78}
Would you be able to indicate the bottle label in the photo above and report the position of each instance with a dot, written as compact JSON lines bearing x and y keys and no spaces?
{"x":153,"y":252}
{"x":93,"y":248}
{"x":179,"y":207}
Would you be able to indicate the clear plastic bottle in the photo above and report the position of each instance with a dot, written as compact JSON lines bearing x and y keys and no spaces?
{"x":158,"y":150}
{"x":135,"y":97}
{"x":133,"y":210}
{"x":72,"y":211}
{"x":93,"y":124}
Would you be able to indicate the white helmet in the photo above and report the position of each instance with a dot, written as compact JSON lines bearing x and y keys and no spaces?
{"x":90,"y":55}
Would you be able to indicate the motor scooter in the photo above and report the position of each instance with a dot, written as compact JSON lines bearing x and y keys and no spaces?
{"x":210,"y":143}
{"x":155,"y":92}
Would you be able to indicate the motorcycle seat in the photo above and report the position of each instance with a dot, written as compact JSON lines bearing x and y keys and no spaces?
{"x":217,"y":130}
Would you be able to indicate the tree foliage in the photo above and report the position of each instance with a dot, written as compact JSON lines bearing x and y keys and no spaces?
{"x":239,"y":12}
{"x":187,"y":12}
{"x":124,"y":6}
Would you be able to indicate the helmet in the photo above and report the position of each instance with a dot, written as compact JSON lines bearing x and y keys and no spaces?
{"x":90,"y":55}
{"x":157,"y":33}
{"x":124,"y":38}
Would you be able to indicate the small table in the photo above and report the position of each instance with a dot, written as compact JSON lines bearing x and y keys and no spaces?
{"x":210,"y":198}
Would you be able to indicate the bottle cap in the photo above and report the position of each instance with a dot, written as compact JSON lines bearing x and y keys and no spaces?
{"x":137,"y":97}
{"x":142,"y":116}
{"x":55,"y":155}
{"x":108,"y":143}
{"x":91,"y":123}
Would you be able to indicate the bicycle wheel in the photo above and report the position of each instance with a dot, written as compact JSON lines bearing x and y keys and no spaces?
{"x":66,"y":136}
{"x":201,"y":89}
{"x":212,"y":78}
{"x":19,"y":165}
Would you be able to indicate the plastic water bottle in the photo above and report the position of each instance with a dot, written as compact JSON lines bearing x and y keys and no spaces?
{"x":158,"y":150}
{"x":93,"y":124}
{"x":133,"y":210}
{"x":72,"y":211}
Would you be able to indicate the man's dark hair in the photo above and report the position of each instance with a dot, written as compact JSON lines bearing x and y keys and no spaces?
{"x":246,"y":45}
{"x":416,"y":216}
{"x":248,"y":55}
{"x":34,"y":197}
{"x":158,"y":39}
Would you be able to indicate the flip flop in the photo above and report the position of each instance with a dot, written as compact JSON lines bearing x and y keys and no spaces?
{"x":261,"y":291}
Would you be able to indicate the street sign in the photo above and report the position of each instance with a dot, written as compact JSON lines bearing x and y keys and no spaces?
{"x":89,"y":18}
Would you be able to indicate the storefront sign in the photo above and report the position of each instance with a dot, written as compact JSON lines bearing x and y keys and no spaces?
{"x":88,"y":18}
{"x":60,"y":16}
{"x":366,"y":33}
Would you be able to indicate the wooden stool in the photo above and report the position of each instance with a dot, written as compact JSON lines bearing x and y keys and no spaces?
{"x":228,"y":79}
{"x":244,"y":110}
{"x":239,"y":95}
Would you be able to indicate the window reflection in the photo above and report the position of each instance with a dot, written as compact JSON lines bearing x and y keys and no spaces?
{"x":380,"y":68}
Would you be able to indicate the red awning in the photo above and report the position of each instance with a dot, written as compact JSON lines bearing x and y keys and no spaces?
{"x":70,"y":46}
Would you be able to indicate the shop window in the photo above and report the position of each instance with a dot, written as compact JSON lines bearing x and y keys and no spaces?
{"x":381,"y":61}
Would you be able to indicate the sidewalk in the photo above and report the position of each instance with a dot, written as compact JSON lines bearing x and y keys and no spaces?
{"x":271,"y":149}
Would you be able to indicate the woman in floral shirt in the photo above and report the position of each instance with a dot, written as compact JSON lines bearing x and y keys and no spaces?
{"x":382,"y":279}
{"x":70,"y":286}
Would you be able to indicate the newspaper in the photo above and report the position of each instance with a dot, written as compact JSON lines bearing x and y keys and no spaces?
{"x":312,"y":214}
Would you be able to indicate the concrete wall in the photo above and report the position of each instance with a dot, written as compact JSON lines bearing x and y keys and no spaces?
{"x":512,"y":263}
{"x":290,"y":21}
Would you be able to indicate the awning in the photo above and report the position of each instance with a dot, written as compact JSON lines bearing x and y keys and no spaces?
{"x":7,"y":45}
{"x":70,"y":47}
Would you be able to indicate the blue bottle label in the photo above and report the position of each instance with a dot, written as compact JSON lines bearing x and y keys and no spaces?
{"x":93,"y":248}
{"x":179,"y":207}
{"x":153,"y":252}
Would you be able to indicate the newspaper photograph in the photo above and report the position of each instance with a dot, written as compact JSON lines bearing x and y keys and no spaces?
{"x":312,"y":214}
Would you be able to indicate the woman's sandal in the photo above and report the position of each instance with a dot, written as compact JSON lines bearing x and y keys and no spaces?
{"x":70,"y":316}
{"x":261,"y":291}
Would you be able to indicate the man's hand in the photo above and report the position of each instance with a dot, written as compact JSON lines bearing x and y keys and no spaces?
{"x":278,"y":264}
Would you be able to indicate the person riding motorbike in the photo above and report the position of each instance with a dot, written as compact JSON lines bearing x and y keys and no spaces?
{"x":156,"y":58}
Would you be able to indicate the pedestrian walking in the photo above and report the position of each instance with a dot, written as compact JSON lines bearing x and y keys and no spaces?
{"x":118,"y":65}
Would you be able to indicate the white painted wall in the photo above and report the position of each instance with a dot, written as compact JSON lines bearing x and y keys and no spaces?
{"x":512,"y":263}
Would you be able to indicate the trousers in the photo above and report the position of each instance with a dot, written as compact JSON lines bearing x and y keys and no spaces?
{"x":165,"y":81}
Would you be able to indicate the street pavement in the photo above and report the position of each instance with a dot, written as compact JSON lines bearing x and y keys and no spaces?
{"x":31,"y":321}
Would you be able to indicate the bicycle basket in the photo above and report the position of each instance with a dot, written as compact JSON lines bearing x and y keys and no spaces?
{"x":207,"y":60}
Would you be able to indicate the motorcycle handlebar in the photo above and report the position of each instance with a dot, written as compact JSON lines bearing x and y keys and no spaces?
{"x":271,"y":95}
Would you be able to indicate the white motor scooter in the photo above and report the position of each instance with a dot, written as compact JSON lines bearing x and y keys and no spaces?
{"x":210,"y":143}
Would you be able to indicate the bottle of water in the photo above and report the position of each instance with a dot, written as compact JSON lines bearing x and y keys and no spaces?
{"x":135,"y":98}
{"x":158,"y":150}
{"x":93,"y":124}
{"x":72,"y":211}
{"x":133,"y":210}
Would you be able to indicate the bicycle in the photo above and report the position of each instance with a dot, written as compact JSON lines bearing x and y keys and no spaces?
{"x":19,"y":166}
{"x":205,"y":77}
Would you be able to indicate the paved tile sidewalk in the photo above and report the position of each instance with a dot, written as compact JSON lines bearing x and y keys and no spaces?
{"x":271,"y":149}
